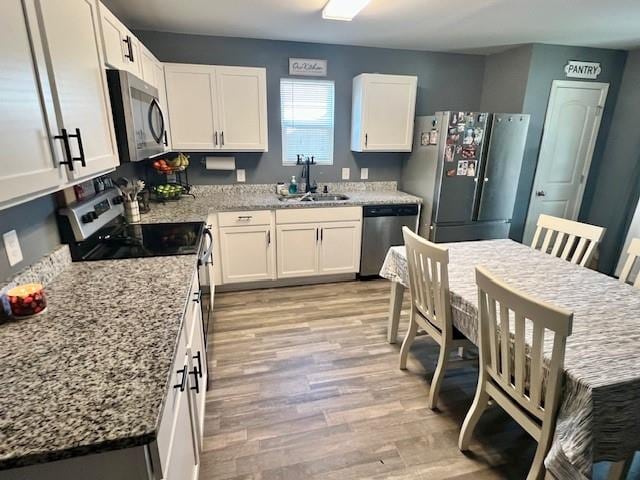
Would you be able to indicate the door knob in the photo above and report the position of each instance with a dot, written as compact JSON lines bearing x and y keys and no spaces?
{"x":540,"y":193}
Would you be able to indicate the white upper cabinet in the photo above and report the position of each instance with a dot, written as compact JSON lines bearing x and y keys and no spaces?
{"x":383,"y":111}
{"x":72,"y":45}
{"x":28,"y":162}
{"x":242,"y":108}
{"x":217,"y":108}
{"x":121,"y":48}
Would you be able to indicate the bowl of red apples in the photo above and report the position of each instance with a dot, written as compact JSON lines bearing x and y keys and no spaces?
{"x":27,"y":300}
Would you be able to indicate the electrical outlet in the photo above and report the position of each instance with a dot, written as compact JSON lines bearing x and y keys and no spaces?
{"x":241,"y":175}
{"x":346,"y":173}
{"x":12,"y":247}
{"x":364,"y":174}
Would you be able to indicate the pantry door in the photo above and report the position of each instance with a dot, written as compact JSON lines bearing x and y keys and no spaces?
{"x":570,"y":131}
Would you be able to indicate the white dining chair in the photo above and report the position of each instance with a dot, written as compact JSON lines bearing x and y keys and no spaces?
{"x":633,"y":252}
{"x":430,"y":304}
{"x":513,"y":370}
{"x":572,"y":241}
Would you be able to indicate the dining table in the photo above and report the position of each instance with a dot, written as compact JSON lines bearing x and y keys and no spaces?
{"x":599,"y":416}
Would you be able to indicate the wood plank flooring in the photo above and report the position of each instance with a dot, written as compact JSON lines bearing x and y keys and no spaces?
{"x":305,"y":386}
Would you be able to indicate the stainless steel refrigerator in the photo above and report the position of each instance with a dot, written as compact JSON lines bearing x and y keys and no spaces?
{"x":466,"y":167}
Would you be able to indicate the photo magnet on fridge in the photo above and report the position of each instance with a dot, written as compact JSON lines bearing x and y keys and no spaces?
{"x":433,"y":137}
{"x":471,"y":169}
{"x":451,"y":172}
{"x":449,"y":153}
{"x":462,"y":167}
{"x":424,"y":139}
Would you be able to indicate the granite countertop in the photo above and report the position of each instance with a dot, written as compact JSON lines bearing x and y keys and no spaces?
{"x":92,"y":372}
{"x":205,"y":202}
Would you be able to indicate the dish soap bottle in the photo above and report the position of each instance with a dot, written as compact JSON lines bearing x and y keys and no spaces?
{"x":293,"y":186}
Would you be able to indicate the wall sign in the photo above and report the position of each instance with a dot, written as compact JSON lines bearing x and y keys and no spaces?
{"x":576,"y":69}
{"x":308,"y":66}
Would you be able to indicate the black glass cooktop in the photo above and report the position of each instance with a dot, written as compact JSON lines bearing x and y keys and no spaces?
{"x":136,"y":241}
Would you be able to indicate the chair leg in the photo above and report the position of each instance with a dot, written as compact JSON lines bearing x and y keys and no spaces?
{"x":479,"y":405}
{"x":438,"y":376}
{"x":408,"y":341}
{"x":619,"y":470}
{"x":537,"y":470}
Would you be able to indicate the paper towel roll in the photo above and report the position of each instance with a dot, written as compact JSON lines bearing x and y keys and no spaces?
{"x":220,"y":163}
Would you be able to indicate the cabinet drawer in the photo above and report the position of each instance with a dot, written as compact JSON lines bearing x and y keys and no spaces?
{"x":239,"y":219}
{"x":315,"y":215}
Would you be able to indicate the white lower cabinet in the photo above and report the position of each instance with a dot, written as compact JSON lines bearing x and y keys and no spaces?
{"x":247,"y":246}
{"x":339,"y":247}
{"x":297,"y":250}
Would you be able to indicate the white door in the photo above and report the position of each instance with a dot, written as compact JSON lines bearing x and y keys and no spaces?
{"x":388,"y":111}
{"x":570,"y":131}
{"x":242,"y":108}
{"x":74,"y":51}
{"x":297,"y":250}
{"x":28,"y":163}
{"x":339,"y":250}
{"x":247,"y":253}
{"x":191,"y":99}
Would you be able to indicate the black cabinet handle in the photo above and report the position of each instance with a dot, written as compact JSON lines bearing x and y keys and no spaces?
{"x":196,"y":386}
{"x":222,"y":138}
{"x":81,"y":158}
{"x":183,"y":382}
{"x":268,"y":237}
{"x":64,"y":136}
{"x":197,"y":295}
{"x":317,"y":233}
{"x":129,"y":47}
{"x":215,"y":138}
{"x":198,"y":357}
{"x":366,"y":139}
{"x":321,"y":234}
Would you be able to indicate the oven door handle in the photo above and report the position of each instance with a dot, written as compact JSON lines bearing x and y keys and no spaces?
{"x":203,"y":258}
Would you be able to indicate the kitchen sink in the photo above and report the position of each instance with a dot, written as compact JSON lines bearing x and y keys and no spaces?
{"x":314,"y":197}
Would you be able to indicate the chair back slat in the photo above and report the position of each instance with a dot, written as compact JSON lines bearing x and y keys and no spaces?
{"x":512,"y":350}
{"x":559,"y":237}
{"x":429,"y":280}
{"x":633,"y":252}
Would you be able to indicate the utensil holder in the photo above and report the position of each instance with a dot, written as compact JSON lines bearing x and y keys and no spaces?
{"x":132,"y":211}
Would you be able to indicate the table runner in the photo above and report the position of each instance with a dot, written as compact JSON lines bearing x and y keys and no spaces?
{"x":599,"y":415}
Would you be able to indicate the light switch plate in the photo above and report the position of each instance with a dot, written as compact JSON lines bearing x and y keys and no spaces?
{"x":241,"y":175}
{"x":364,"y":174}
{"x":346,"y":173}
{"x":12,"y":247}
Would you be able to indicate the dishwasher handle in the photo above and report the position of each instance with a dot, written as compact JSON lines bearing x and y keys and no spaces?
{"x":405,"y":210}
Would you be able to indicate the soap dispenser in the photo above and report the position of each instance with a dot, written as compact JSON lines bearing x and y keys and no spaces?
{"x":293,"y":186}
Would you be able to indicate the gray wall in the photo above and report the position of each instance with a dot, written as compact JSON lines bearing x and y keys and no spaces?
{"x":615,"y":194}
{"x":547,"y":64}
{"x":445,"y":82}
{"x":37,"y":232}
{"x":505,"y":80}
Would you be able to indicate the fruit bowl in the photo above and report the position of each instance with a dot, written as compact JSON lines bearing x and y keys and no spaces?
{"x":169,"y":191}
{"x":178,"y":164}
{"x":27,"y":300}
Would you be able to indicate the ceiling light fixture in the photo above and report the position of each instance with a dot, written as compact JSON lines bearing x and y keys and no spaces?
{"x":343,"y":10}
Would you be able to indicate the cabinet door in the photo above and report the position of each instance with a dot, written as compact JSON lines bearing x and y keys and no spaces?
{"x":242,"y":108}
{"x":339,"y":248}
{"x":182,"y":462}
{"x":191,"y":93}
{"x":114,"y":40}
{"x":148,"y":65}
{"x":198,"y":375}
{"x":73,"y":48}
{"x":28,"y":163}
{"x":297,"y":250}
{"x":388,"y":112}
{"x":247,"y":253}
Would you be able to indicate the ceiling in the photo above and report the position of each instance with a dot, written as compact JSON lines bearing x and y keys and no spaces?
{"x":480,"y":26}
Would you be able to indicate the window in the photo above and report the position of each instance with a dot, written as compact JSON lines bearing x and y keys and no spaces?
{"x":306,"y":113}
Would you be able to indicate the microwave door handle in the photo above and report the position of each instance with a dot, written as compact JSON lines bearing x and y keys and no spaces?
{"x":157,"y":136}
{"x":203,"y":258}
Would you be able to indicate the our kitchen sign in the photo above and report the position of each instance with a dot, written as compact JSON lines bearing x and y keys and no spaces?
{"x":308,"y":67}
{"x":576,"y":69}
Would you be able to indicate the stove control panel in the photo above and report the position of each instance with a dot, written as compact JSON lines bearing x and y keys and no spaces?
{"x":90,"y":215}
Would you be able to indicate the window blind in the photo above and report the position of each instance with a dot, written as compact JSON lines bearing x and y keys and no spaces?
{"x":306,"y":113}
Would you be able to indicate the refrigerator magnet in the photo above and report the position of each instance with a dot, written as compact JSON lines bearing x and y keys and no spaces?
{"x":424,"y":138}
{"x":454,"y":119}
{"x":449,"y":153}
{"x":469,"y":152}
{"x":451,"y":172}
{"x":433,"y":137}
{"x":463,"y":165}
{"x":461,"y":127}
{"x":471,"y":169}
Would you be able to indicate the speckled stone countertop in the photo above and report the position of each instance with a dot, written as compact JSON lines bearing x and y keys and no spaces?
{"x":209,"y":199}
{"x":92,"y":372}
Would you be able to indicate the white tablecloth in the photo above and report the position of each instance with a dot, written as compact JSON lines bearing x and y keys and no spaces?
{"x":599,"y":418}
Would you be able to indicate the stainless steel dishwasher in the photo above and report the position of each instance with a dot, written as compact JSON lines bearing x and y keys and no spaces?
{"x":382,"y":228}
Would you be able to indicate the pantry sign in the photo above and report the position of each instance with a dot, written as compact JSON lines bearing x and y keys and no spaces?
{"x":576,"y":69}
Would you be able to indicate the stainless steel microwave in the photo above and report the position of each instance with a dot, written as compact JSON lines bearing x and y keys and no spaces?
{"x":137,"y":117}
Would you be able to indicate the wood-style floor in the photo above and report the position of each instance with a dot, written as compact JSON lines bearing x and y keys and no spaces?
{"x":304,"y":385}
